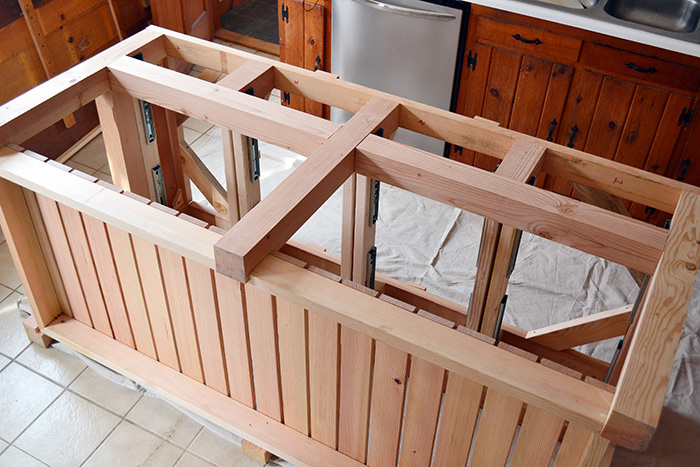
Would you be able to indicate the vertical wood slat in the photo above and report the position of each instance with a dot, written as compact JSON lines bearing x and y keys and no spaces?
{"x":388,"y":395}
{"x":292,"y":328}
{"x":177,"y":292}
{"x":263,"y":349}
{"x":323,"y":378}
{"x":148,"y":265}
{"x":537,"y":439}
{"x":82,"y":257}
{"x":497,"y":425}
{"x":460,"y":410}
{"x":206,"y":317}
{"x":573,"y":446}
{"x":234,"y":328}
{"x":422,"y":411}
{"x":64,"y":259}
{"x":128,"y":275}
{"x":25,"y":243}
{"x":108,"y":279}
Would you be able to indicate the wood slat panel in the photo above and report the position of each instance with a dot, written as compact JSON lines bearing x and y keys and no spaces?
{"x":292,"y":329}
{"x":499,"y":419}
{"x":388,"y":394}
{"x":148,"y":265}
{"x":178,"y":295}
{"x":609,"y":117}
{"x":537,"y":438}
{"x":533,"y":83}
{"x":356,"y":357}
{"x":206,"y":317}
{"x":263,"y":349}
{"x":234,"y":330}
{"x":131,"y":285}
{"x":460,"y":410}
{"x":323,"y":378}
{"x":85,"y":267}
{"x":573,"y":446}
{"x":109,"y":281}
{"x":422,"y":410}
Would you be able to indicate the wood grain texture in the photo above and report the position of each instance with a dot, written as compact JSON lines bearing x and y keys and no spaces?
{"x":537,"y":439}
{"x":149,"y":268}
{"x":644,"y":379}
{"x":18,"y":228}
{"x":460,"y":409}
{"x":527,"y":208}
{"x":579,"y":331}
{"x":422,"y":411}
{"x":109,"y":281}
{"x":292,"y":330}
{"x":64,"y":259}
{"x":388,"y":395}
{"x":497,"y":425}
{"x":324,"y":354}
{"x":206,"y":317}
{"x":262,"y":326}
{"x":85,"y":266}
{"x":574,"y":446}
{"x":283,"y":211}
{"x":184,"y":330}
{"x":234,"y":330}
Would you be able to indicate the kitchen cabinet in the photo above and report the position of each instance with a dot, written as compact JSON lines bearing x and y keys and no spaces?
{"x":304,"y":29}
{"x":630,"y":103}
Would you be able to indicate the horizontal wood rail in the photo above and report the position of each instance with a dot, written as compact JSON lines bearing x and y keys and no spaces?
{"x":484,"y":137}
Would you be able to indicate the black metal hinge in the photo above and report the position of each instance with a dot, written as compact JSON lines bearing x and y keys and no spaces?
{"x":285,"y":98}
{"x":285,"y":13}
{"x":471,"y":61}
{"x":686,"y":116}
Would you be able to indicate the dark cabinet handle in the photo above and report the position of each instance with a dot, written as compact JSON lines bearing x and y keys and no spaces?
{"x":651,"y":70}
{"x":550,"y":136}
{"x":574,"y":130}
{"x":520,"y":38}
{"x":318,"y":62}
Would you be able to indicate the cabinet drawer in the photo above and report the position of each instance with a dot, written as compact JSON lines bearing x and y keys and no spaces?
{"x":641,"y":67}
{"x":534,"y":42}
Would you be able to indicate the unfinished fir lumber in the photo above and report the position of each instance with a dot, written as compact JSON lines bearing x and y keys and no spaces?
{"x":549,"y":215}
{"x":206,"y":402}
{"x":644,"y":379}
{"x":522,"y":162}
{"x":26,"y":249}
{"x":204,"y":180}
{"x":584,"y":330}
{"x":291,"y":204}
{"x":620,"y":180}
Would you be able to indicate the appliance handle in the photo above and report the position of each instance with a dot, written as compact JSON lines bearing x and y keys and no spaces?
{"x":400,"y":10}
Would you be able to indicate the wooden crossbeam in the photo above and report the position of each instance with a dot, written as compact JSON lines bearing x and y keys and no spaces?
{"x":624,"y":181}
{"x":580,"y":331}
{"x":243,"y":191}
{"x":644,"y":379}
{"x":266,"y":228}
{"x":203,"y":179}
{"x":587,"y":228}
{"x":522,"y":162}
{"x":44,"y":105}
{"x":221,"y":106}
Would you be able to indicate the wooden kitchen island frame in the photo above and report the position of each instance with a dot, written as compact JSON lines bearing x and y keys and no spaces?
{"x":279,"y":342}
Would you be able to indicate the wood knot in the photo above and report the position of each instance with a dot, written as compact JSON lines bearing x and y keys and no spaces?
{"x":691,"y":266}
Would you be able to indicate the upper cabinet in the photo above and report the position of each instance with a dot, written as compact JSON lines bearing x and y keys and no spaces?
{"x":619,"y":100}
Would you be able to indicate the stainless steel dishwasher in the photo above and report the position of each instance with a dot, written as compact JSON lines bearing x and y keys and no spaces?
{"x":410,"y":48}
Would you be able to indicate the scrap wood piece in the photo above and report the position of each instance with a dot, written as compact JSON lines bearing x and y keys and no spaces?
{"x":202,"y":177}
{"x":285,"y":210}
{"x":584,"y":330}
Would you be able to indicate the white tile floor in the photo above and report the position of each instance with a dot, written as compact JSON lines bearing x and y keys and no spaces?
{"x":56,"y":411}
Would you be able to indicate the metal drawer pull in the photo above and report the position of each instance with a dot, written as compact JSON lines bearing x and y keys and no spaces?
{"x":426,"y":14}
{"x":550,"y":136}
{"x":574,"y":130}
{"x":520,"y":38}
{"x":650,"y":70}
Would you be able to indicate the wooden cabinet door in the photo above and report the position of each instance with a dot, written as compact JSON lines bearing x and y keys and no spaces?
{"x":630,"y":123}
{"x":302,"y":28}
{"x":520,"y":92}
{"x":193,"y":17}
